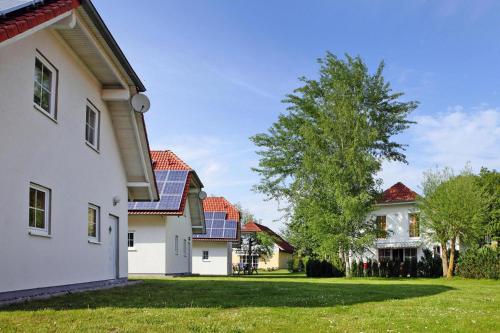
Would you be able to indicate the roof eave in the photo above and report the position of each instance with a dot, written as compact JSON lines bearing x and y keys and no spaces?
{"x":113,"y":45}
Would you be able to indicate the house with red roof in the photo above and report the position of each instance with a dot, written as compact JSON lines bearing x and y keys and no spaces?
{"x":160,"y":233}
{"x":212,"y":250}
{"x":73,"y":151}
{"x":282,"y":251}
{"x":396,"y":216}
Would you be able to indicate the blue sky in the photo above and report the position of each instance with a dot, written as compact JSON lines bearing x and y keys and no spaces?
{"x":216,"y":72}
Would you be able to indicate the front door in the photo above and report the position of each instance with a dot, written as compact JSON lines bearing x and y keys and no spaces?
{"x":113,"y":254}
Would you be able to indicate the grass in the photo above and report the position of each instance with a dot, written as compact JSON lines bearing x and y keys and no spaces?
{"x":269,"y":302}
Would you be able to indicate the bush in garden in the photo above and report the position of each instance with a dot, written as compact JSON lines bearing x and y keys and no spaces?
{"x":383,"y":272}
{"x":375,"y":268}
{"x":479,"y":263}
{"x":405,"y":267}
{"x":413,"y":267}
{"x":326,"y":269}
{"x":368,"y":270}
{"x":289,"y":264}
{"x":360,"y":268}
{"x":429,"y":265}
{"x":354,"y":269}
{"x":300,"y":266}
{"x":322,"y":268}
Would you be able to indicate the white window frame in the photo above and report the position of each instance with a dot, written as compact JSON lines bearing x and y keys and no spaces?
{"x":45,"y":231}
{"x":95,"y":239}
{"x":203,"y":255}
{"x":97,"y":129}
{"x":52,"y":111}
{"x":184,"y":247}
{"x":176,"y":245}
{"x":131,"y":232}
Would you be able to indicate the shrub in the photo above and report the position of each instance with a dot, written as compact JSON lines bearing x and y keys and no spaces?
{"x":413,"y":267}
{"x":405,"y":267}
{"x":429,"y":266}
{"x":290,"y":265}
{"x":368,"y":270}
{"x":375,"y":268}
{"x":360,"y":268}
{"x":300,"y":266}
{"x":322,"y":268}
{"x":354,"y":269}
{"x":479,"y":263}
{"x":383,"y":268}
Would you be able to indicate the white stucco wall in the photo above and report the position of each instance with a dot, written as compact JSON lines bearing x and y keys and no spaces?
{"x":34,"y":148}
{"x":148,"y":254}
{"x":219,"y":258}
{"x":154,"y":248}
{"x":179,"y":263}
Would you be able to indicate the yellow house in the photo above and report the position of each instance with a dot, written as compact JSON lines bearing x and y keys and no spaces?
{"x":282,"y":251}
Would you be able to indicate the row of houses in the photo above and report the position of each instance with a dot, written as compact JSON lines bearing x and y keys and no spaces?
{"x":84,"y":201}
{"x":187,"y":233}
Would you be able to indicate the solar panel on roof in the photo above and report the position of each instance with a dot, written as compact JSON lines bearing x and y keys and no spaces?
{"x":218,"y":227}
{"x":8,"y":6}
{"x":220,"y":215}
{"x":171,"y":185}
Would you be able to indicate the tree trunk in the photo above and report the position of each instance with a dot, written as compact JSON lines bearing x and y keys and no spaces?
{"x":451,"y":264}
{"x":444,"y":258}
{"x":347,"y":266}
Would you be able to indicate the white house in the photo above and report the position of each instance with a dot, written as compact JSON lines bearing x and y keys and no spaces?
{"x":396,"y":215}
{"x":212,"y":250}
{"x":72,"y":149}
{"x":160,"y":233}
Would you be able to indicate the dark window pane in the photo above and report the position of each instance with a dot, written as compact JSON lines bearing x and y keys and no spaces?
{"x":32,"y":222}
{"x":91,"y":118}
{"x":40,"y":200}
{"x":47,"y":79}
{"x":32,"y":197}
{"x":40,"y":219}
{"x":37,"y":98}
{"x":45,"y":104}
{"x":38,"y":71}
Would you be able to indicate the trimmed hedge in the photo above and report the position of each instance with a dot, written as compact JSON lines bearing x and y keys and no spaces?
{"x":322,"y":268}
{"x":479,"y":263}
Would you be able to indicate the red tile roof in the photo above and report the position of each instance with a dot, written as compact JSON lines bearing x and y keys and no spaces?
{"x":256,"y":227}
{"x":220,"y":204}
{"x":167,"y":160}
{"x":19,"y":21}
{"x":398,"y":192}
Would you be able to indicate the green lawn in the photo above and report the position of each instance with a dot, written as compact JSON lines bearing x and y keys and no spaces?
{"x":270,"y":302}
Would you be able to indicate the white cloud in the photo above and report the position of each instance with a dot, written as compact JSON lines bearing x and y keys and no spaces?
{"x":452,"y":139}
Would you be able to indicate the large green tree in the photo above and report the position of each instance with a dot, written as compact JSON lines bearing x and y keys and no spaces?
{"x":323,"y":154}
{"x":452,"y":209}
{"x":489,"y":180}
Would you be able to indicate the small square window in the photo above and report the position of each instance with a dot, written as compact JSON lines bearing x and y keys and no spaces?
{"x":45,"y":84}
{"x":93,"y":222}
{"x":39,"y":209}
{"x":205,"y":255}
{"x":92,"y":119}
{"x":131,"y":239}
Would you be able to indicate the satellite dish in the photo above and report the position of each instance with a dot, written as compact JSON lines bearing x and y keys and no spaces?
{"x":140,"y":103}
{"x":202,"y":195}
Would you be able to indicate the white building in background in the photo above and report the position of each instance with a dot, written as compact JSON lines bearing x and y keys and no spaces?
{"x":160,"y":234}
{"x":396,"y":215}
{"x":72,"y":150}
{"x":212,"y":250}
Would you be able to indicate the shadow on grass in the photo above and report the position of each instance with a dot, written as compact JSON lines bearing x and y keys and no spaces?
{"x":232,"y":293}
